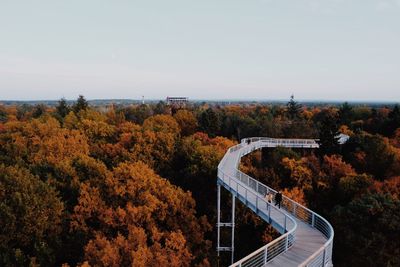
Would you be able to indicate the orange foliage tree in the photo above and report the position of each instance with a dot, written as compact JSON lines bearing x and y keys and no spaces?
{"x":138,"y":218}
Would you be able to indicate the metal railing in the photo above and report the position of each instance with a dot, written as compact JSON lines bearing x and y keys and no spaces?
{"x":274,"y":248}
{"x":260,"y":257}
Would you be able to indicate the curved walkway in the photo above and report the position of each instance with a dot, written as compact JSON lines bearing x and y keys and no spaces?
{"x":306,"y":239}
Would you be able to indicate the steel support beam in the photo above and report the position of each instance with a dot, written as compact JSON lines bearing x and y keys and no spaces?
{"x":218,"y":216}
{"x":226,"y":224}
{"x":233,"y":228}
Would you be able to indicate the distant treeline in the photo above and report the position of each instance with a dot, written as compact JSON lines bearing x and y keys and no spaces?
{"x":196,"y":102}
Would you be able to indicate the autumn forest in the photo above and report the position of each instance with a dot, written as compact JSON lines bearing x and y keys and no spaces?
{"x":135,"y":185}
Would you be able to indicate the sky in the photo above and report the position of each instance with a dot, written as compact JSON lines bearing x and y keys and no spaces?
{"x":203,"y":49}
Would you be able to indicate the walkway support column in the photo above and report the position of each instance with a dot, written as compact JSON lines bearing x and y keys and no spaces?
{"x":218,"y":216}
{"x":233,"y":228}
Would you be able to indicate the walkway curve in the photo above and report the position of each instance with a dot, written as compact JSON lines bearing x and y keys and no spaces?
{"x":307,"y":238}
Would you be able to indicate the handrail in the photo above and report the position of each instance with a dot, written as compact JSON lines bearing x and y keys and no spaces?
{"x":322,"y":256}
{"x":277,"y":246}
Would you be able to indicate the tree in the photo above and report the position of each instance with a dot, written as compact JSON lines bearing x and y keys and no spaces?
{"x":298,"y":174}
{"x":3,"y":114}
{"x":138,"y":114}
{"x":81,"y":104}
{"x":366,"y":231}
{"x":161,"y":108}
{"x":352,"y":186}
{"x":390,"y":186}
{"x":394,"y":120}
{"x":136,"y":218}
{"x":372,"y":154}
{"x":210,"y":122}
{"x":329,"y":133}
{"x":326,"y":178}
{"x":22,"y":111}
{"x":162,"y":123}
{"x":196,"y":161}
{"x":187,"y":122}
{"x":62,"y":108}
{"x":346,"y":114}
{"x":293,"y":108}
{"x":38,"y":110}
{"x":31,"y":215}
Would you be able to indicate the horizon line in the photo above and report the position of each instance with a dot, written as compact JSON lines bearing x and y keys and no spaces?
{"x":307,"y":100}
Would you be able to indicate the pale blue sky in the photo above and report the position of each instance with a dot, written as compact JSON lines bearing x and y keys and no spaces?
{"x":204,"y":49}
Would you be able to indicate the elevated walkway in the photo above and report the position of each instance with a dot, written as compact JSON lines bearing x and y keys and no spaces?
{"x":306,"y":239}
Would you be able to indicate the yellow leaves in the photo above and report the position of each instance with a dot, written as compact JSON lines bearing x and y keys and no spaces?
{"x":299,"y":172}
{"x":90,"y":205}
{"x":307,"y":114}
{"x":203,"y":152}
{"x":187,"y":122}
{"x":127,"y":214}
{"x":140,"y":206}
{"x":154,"y":142}
{"x":44,"y":141}
{"x":177,"y":250}
{"x":335,"y":167}
{"x":96,"y":130}
{"x":162,"y":123}
{"x":137,"y":236}
{"x":103,"y":252}
{"x":296,"y":194}
{"x":71,"y":121}
{"x":344,"y":129}
{"x":61,"y":145}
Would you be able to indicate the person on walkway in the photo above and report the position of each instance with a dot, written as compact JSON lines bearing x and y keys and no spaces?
{"x":278,"y":199}
{"x":266,"y":196}
{"x":248,"y":141}
{"x":270,"y":197}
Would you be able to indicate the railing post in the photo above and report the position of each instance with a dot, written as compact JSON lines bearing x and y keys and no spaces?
{"x":286,"y":242}
{"x":285,"y":223}
{"x":294,"y":209}
{"x":269,"y":212}
{"x":323,"y":257}
{"x":312,"y":220}
{"x":256,"y":203}
{"x":266,"y":255}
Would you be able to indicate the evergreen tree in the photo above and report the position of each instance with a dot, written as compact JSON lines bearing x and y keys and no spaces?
{"x":346,"y":113}
{"x":81,"y":104}
{"x":328,"y":134}
{"x":38,"y":110}
{"x":62,"y":108}
{"x":293,"y":108}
